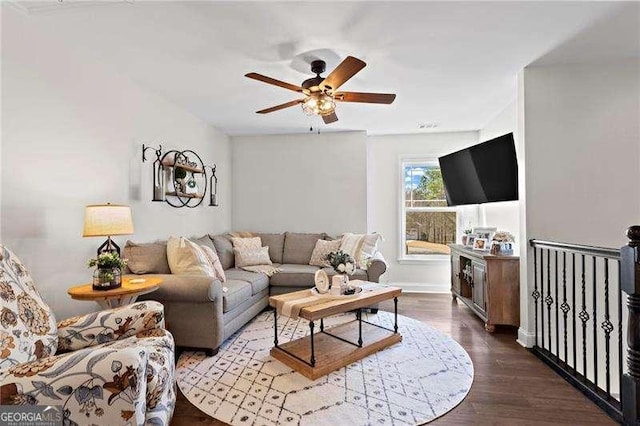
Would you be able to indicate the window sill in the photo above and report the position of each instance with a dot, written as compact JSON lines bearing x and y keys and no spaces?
{"x":423,"y":260}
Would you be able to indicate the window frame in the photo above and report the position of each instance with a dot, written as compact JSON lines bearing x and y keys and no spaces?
{"x":404,"y":258}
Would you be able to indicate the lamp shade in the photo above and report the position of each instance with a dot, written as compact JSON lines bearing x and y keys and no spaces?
{"x":107,"y":219}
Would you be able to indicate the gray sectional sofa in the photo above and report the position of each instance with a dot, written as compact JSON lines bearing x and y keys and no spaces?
{"x":200,"y":314}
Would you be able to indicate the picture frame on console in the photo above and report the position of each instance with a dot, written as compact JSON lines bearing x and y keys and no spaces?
{"x":470,"y":240}
{"x":481,"y":244}
{"x":485,"y":232}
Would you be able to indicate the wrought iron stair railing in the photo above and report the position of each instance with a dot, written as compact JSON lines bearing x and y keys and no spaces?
{"x":579,"y":293}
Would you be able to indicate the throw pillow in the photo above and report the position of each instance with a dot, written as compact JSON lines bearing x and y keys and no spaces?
{"x":246,"y":243}
{"x":213,"y":258}
{"x":369,"y":248}
{"x":187,"y":258}
{"x":150,"y":258}
{"x":321,"y":250}
{"x":352,"y":245}
{"x":252,"y":256}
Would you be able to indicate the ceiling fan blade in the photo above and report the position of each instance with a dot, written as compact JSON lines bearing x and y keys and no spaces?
{"x":369,"y":98}
{"x":330,"y":118}
{"x":343,"y":72}
{"x":273,"y":81}
{"x":281,"y":106}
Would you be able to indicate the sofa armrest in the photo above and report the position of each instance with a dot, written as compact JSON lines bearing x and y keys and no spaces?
{"x":187,"y":288}
{"x":94,"y":385}
{"x":377,"y":266}
{"x":108,"y":325}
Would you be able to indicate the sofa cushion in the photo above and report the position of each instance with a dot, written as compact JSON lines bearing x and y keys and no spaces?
{"x":359,"y":274}
{"x":224,"y":248}
{"x":298,"y":247}
{"x":292,"y":275}
{"x":237,"y":292}
{"x":275,"y":242}
{"x":257,"y":280}
{"x":148,"y":258}
{"x":205,"y":240}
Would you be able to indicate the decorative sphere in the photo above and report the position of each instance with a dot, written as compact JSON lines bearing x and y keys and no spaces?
{"x":633,"y":233}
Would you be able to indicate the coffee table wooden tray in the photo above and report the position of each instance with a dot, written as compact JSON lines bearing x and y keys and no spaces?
{"x":318,"y":354}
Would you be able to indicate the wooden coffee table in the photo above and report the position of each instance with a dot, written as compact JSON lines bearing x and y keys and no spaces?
{"x":321,"y":353}
{"x":124,"y":295}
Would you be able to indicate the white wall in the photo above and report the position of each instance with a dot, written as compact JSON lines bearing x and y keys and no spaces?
{"x":504,"y":215}
{"x":300,"y":183}
{"x":71,"y":135}
{"x":581,"y":133}
{"x":583,"y":152}
{"x":384,"y":154}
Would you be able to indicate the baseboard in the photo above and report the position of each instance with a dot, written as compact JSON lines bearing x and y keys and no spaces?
{"x":525,"y":338}
{"x":422,"y":287}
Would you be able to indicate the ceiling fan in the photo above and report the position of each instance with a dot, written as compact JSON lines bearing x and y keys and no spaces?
{"x":321,"y":94}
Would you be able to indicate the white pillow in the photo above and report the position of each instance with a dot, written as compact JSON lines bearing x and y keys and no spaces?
{"x":369,"y":248}
{"x":252,"y":256}
{"x":187,"y":258}
{"x":321,"y":250}
{"x":214,"y":260}
{"x":352,"y":244}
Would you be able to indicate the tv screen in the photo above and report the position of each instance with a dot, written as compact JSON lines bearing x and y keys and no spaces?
{"x":483,"y":173}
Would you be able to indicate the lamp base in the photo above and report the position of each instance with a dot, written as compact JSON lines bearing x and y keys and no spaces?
{"x":109,"y":246}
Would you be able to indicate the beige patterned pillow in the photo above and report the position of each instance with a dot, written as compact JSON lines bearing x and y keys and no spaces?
{"x":321,"y":250}
{"x":252,"y":256}
{"x":246,"y":243}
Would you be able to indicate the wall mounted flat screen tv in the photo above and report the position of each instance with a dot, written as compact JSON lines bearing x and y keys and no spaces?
{"x":483,"y":173}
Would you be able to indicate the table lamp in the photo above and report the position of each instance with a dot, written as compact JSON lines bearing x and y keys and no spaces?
{"x":106,"y":220}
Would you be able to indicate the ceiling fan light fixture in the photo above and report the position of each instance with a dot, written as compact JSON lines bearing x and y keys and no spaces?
{"x":318,"y":104}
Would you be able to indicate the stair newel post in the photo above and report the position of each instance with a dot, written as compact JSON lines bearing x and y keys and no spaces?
{"x":630,"y":284}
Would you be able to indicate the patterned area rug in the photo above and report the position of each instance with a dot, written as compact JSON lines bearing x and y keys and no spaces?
{"x":412,"y":382}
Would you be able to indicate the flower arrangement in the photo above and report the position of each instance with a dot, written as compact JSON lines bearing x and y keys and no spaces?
{"x":108,"y":260}
{"x":467,"y":231}
{"x":504,"y":237}
{"x":341,"y":262}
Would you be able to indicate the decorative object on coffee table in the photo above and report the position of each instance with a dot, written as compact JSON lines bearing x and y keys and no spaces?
{"x":132,"y":287}
{"x":107,"y":220}
{"x":321,"y":280}
{"x":410,"y":383}
{"x":344,"y":265}
{"x":108,"y":273}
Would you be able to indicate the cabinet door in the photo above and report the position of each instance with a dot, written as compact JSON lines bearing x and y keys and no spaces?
{"x":479,"y":281}
{"x":455,"y":271}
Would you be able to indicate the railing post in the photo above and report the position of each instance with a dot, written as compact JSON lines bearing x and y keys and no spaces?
{"x":630,"y":284}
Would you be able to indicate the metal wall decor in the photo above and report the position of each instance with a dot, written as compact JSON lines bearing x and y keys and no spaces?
{"x":180,"y":178}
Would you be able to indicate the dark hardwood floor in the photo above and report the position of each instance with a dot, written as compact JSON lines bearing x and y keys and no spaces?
{"x":511,"y":386}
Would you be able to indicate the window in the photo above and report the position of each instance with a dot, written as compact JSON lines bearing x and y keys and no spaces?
{"x":428,"y":225}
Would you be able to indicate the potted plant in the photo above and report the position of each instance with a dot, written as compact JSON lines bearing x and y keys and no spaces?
{"x":108,"y":274}
{"x":344,"y":265}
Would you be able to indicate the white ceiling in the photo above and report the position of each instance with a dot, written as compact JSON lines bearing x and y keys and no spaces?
{"x":451,"y":63}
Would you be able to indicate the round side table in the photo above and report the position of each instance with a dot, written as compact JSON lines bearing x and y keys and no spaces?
{"x":124,"y":295}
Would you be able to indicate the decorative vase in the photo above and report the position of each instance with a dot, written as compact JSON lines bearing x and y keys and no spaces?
{"x":339,"y":281}
{"x":107,"y":278}
{"x":464,"y":240}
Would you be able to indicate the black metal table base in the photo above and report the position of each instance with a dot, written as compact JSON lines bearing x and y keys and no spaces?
{"x":312,"y":360}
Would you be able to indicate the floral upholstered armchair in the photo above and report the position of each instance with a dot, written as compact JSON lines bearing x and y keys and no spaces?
{"x":110,"y":367}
